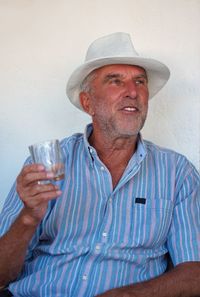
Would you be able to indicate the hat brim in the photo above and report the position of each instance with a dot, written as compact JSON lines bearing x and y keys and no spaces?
{"x":157,"y":73}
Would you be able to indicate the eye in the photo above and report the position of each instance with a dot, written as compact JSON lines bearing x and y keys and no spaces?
{"x":140,"y":82}
{"x":116,"y":81}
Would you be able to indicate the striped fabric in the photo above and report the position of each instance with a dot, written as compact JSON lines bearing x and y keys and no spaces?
{"x":94,"y":238}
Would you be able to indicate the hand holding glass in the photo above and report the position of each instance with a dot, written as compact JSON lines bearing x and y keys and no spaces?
{"x":49,"y":153}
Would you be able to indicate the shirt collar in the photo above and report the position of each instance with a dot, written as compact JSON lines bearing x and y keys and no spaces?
{"x":90,"y":150}
{"x":140,"y":152}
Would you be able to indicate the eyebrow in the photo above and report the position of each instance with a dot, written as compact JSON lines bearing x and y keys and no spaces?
{"x":141,"y":76}
{"x":110,"y":76}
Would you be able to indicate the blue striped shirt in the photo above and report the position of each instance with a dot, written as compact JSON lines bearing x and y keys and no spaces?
{"x":94,"y":238}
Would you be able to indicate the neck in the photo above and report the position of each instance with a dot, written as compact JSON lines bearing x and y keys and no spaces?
{"x":105,"y":142}
{"x":114,"y":152}
{"x":117,"y":149}
{"x":108,"y":145}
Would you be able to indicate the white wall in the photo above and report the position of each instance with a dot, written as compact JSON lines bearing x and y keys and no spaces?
{"x":43,"y":41}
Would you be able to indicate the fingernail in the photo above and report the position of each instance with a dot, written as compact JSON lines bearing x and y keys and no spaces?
{"x":50,"y":174}
{"x":41,"y":167}
{"x":59,"y":192}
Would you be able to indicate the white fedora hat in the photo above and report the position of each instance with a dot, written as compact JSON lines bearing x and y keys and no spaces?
{"x":116,"y":48}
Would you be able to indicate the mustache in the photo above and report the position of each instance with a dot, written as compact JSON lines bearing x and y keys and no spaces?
{"x":129,"y":103}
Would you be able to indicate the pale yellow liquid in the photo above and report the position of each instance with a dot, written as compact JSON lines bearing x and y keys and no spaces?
{"x":59,"y":177}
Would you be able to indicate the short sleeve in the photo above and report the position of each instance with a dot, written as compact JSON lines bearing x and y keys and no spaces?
{"x":184,"y":235}
{"x":11,"y":210}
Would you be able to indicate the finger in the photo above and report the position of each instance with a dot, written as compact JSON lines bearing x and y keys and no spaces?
{"x":34,"y":177}
{"x":37,"y":168}
{"x":41,"y":198}
{"x":40,"y":188}
{"x":32,"y":168}
{"x":34,"y":189}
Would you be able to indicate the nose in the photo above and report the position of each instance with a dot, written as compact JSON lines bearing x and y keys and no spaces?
{"x":131,"y":90}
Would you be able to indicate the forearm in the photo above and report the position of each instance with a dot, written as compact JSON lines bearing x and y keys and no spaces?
{"x":35,"y":197}
{"x":13,"y":246}
{"x":182,"y":281}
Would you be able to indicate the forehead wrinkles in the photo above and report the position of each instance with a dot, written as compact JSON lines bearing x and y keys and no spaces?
{"x":110,"y":76}
{"x":122,"y":76}
{"x":104,"y":74}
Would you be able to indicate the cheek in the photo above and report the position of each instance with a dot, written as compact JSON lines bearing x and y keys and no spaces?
{"x":146,"y":94}
{"x":145,"y":97}
{"x":97,"y":105}
{"x":101,"y":102}
{"x":101,"y":107}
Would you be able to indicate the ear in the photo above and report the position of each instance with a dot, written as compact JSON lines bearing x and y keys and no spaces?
{"x":86,"y":102}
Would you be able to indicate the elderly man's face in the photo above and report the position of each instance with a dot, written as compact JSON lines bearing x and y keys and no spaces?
{"x":117,"y":100}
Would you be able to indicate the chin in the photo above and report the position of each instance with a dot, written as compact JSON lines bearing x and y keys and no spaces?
{"x":130,"y":131}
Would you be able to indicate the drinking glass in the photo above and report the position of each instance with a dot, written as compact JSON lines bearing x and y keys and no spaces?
{"x":49,"y":153}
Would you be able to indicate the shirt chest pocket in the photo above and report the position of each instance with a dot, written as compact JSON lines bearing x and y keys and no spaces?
{"x":150,"y":222}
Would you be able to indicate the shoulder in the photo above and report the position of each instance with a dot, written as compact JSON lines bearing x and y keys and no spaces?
{"x":154,"y":149}
{"x":174,"y":161}
{"x":71,"y":141}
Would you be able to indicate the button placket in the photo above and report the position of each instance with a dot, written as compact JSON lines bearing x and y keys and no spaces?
{"x":107,"y":220}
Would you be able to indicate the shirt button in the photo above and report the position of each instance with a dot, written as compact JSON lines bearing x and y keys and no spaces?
{"x":102,"y":168}
{"x":84,"y":277}
{"x":91,"y":150}
{"x":97,"y":247}
{"x":104,"y":234}
{"x":110,"y":200}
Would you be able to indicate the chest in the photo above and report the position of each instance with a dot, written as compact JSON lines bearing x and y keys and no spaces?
{"x":137,"y":213}
{"x":116,"y":172}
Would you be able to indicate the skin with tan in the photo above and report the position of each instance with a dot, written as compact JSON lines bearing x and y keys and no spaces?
{"x":117,"y":102}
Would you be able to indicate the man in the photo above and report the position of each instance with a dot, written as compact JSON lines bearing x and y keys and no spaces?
{"x":126,"y":205}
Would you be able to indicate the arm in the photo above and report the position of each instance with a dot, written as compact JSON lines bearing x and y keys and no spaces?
{"x":181,"y":281}
{"x":35,"y":197}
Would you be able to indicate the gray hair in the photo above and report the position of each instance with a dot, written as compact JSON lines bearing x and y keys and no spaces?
{"x":86,"y":83}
